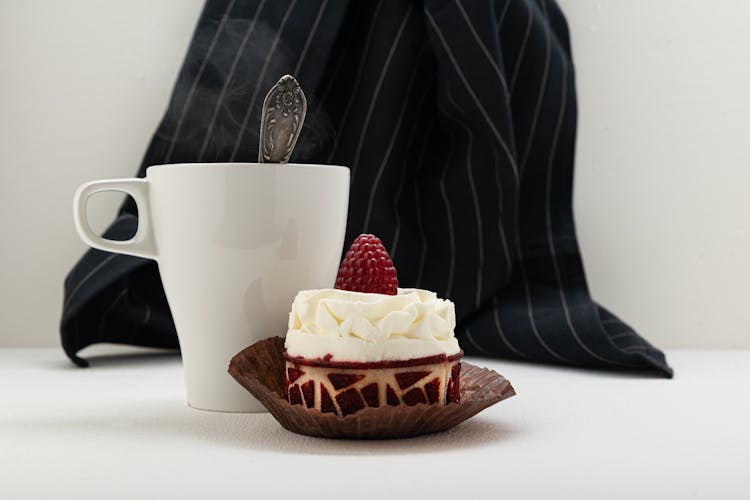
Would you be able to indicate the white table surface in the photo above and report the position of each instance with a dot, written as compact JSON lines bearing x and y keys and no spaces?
{"x":121,"y":429}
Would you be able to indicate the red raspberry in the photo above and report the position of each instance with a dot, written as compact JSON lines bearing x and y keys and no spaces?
{"x":367,"y":267}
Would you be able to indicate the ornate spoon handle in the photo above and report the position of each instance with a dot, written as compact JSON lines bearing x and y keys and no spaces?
{"x":284,"y":111}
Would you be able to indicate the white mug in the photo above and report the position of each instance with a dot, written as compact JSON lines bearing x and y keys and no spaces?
{"x":234,"y":243}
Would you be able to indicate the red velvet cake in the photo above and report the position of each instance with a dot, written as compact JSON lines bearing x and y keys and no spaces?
{"x":368,"y":343}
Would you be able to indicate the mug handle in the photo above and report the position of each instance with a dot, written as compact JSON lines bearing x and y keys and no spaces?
{"x":143,"y":244}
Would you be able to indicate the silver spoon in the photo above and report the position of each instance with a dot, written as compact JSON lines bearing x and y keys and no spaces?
{"x":284,"y":110}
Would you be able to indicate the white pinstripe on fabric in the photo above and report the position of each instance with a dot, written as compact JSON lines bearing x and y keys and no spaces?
{"x":310,"y":36}
{"x":392,"y":140}
{"x":612,"y":337}
{"x":471,"y":92}
{"x":635,"y":348}
{"x":357,"y":80}
{"x":538,"y":106}
{"x":506,"y":96}
{"x":146,"y":317}
{"x":194,"y":85}
{"x":620,"y":348}
{"x":394,"y":208}
{"x":261,"y":76}
{"x":508,"y":260}
{"x":499,"y":328}
{"x":621,"y":334}
{"x":399,"y":190}
{"x":474,"y":197}
{"x":480,"y":243}
{"x":449,"y":213}
{"x":522,"y":50}
{"x":110,"y":307}
{"x":501,"y":19}
{"x":484,"y":50}
{"x":230,"y":75}
{"x":530,"y":309}
{"x":418,"y":204}
{"x":478,"y":215}
{"x":376,"y":93}
{"x":88,"y":276}
{"x":500,"y":225}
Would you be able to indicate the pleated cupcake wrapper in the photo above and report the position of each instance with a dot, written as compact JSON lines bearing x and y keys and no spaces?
{"x":260,"y":369}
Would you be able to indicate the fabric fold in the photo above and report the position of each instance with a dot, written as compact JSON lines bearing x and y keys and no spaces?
{"x":457,"y":120}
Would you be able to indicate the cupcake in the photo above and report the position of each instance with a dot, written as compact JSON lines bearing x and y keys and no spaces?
{"x":368,"y":343}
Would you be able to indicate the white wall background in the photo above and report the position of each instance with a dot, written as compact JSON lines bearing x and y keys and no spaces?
{"x":662,"y":192}
{"x":663,"y":163}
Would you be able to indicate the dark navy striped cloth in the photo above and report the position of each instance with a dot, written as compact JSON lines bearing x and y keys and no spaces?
{"x":458,"y":121}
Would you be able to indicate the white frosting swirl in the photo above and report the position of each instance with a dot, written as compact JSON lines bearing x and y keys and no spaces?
{"x":365,"y":327}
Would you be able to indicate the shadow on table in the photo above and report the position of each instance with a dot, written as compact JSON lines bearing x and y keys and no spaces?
{"x":507,"y":366}
{"x":158,"y":422}
{"x":103,"y":360}
{"x":473,"y":433}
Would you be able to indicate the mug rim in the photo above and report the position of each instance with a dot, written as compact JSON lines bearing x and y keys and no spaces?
{"x":198,"y":165}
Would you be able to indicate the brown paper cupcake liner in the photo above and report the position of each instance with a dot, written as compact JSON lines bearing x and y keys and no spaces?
{"x":260,"y":369}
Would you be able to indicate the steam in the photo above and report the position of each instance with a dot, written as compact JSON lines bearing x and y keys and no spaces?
{"x":215,"y":111}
